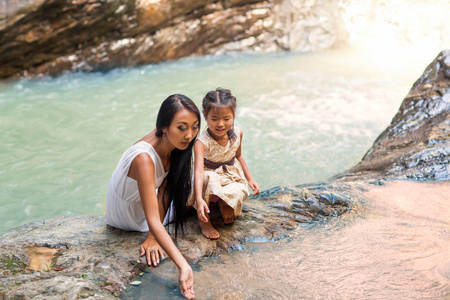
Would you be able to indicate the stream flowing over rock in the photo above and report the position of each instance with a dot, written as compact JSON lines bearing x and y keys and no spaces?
{"x":83,"y":257}
{"x":48,"y":37}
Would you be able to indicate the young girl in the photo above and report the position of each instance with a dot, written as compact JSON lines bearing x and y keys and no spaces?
{"x":220,"y":167}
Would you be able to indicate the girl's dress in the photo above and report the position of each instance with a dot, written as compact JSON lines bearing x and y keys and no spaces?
{"x":123,"y":203}
{"x":223,"y":174}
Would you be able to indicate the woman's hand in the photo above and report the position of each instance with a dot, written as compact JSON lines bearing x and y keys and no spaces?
{"x":202,"y":210}
{"x":254,"y":186}
{"x":152,"y":249}
{"x":186,"y":281}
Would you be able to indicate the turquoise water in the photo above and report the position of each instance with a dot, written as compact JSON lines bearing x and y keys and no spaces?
{"x":305,"y":117}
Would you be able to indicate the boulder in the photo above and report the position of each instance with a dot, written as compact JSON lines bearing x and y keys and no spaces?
{"x":416,"y":145}
{"x":48,"y":37}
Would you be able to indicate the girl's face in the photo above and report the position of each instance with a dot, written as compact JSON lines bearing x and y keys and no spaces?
{"x":220,"y":120}
{"x":183,"y":129}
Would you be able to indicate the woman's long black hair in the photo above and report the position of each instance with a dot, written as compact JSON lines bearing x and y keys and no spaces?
{"x":178,"y":181}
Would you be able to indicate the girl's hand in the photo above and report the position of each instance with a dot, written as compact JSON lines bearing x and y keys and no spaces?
{"x":254,"y":186}
{"x":202,"y":210}
{"x":186,"y":281}
{"x":153,"y":250}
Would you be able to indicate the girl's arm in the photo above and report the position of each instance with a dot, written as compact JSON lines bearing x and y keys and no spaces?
{"x":251,"y":182}
{"x":143,"y":170}
{"x":202,"y":206}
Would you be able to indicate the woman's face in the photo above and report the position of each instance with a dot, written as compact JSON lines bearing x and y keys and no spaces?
{"x":183,"y":129}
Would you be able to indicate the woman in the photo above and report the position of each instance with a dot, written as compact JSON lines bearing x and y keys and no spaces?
{"x":153,"y":175}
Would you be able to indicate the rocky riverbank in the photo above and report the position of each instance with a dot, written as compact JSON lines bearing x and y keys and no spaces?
{"x":98,"y":261}
{"x":81,"y":257}
{"x":41,"y":37}
{"x":49,"y":37}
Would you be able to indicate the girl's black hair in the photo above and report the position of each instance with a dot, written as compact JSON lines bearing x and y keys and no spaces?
{"x":178,"y":181}
{"x":221,"y":97}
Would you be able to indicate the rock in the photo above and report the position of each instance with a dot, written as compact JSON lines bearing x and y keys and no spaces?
{"x":416,"y":145}
{"x":97,"y":259}
{"x":48,"y":37}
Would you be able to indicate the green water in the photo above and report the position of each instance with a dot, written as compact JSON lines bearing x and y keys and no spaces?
{"x":305,"y":117}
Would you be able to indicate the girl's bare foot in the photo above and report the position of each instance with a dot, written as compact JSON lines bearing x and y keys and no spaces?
{"x":208,"y":230}
{"x":227,"y":212}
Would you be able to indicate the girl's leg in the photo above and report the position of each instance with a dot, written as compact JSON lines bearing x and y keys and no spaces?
{"x":227,"y":212}
{"x":208,"y":230}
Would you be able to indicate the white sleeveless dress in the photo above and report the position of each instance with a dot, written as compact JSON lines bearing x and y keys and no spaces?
{"x":123,"y":203}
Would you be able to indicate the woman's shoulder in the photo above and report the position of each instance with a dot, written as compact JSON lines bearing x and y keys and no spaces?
{"x":137,"y":148}
{"x":142,"y":147}
{"x":145,"y":153}
{"x":143,"y":160}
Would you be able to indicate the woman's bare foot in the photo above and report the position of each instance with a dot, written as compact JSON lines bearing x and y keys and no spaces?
{"x":208,"y":230}
{"x":227,"y":212}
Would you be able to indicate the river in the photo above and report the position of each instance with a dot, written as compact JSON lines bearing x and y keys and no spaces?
{"x":306,"y":117}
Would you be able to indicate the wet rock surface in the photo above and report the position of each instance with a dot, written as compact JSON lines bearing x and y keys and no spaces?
{"x":97,"y":261}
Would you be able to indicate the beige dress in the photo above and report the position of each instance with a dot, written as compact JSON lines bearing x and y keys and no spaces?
{"x":226,"y":181}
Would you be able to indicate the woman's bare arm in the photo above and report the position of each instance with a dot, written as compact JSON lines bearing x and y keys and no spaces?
{"x":143,"y":169}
